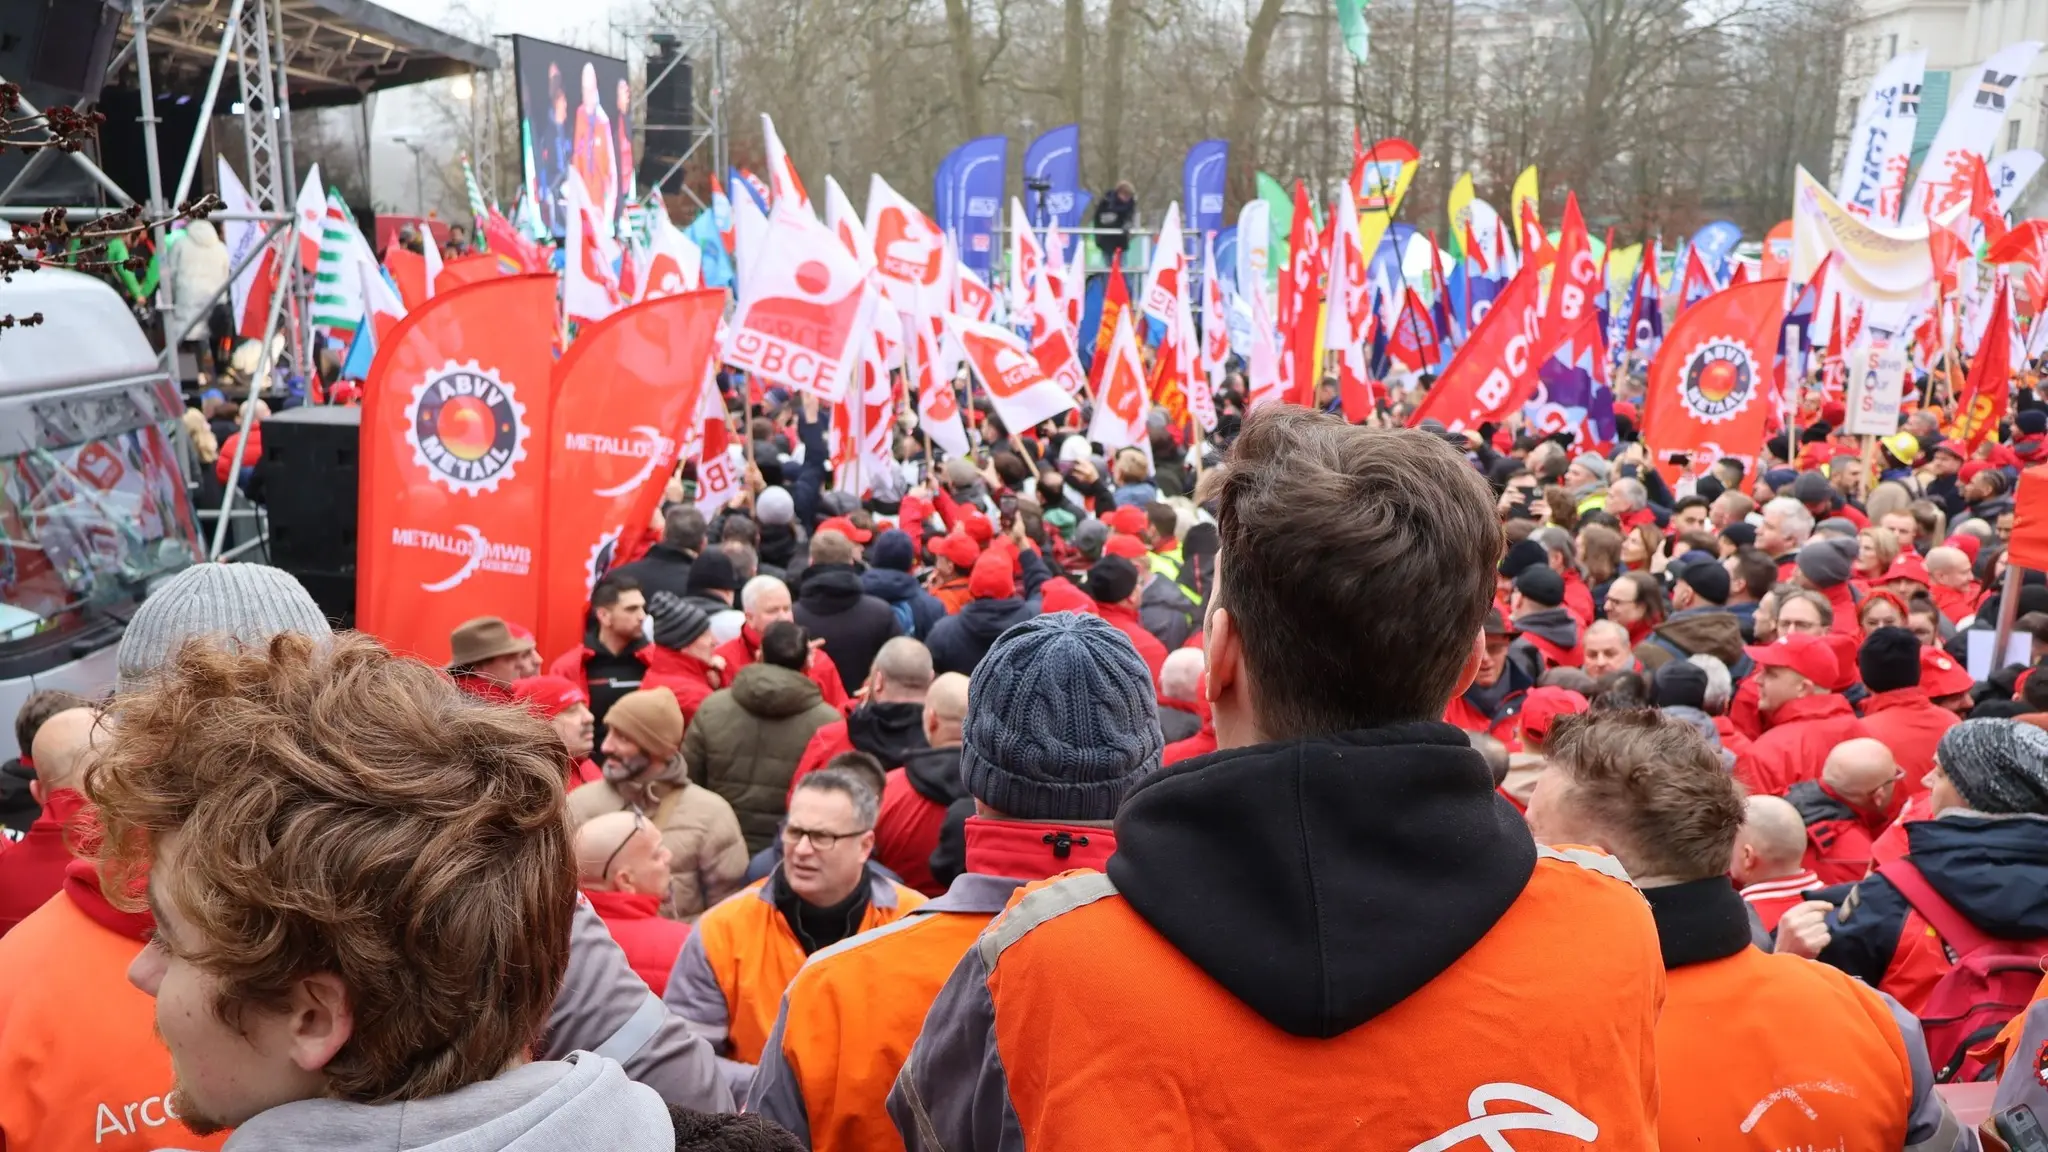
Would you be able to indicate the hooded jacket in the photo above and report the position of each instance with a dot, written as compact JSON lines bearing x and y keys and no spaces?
{"x":902,"y":589}
{"x":747,"y":739}
{"x":1317,"y":909}
{"x":32,"y":871}
{"x":1695,"y":631}
{"x":915,"y":799}
{"x":745,"y":648}
{"x":853,"y":624}
{"x":1838,"y":834}
{"x":650,"y":940}
{"x":1796,"y":742}
{"x":960,"y":641}
{"x":1168,"y":614}
{"x":1552,"y":634}
{"x":663,"y":568}
{"x":197,"y":266}
{"x":887,"y":730}
{"x":583,"y":1103}
{"x":1854,"y":1060}
{"x":1991,"y":869}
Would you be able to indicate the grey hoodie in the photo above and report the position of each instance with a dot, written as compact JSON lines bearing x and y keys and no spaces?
{"x":582,"y":1104}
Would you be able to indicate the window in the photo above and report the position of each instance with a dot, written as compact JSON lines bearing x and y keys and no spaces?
{"x":1891,"y":46}
{"x":89,"y":518}
{"x":2012,"y":135}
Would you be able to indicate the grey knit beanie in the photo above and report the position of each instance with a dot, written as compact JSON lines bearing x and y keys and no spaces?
{"x":1061,"y":721}
{"x":246,"y":603}
{"x":1999,"y":766}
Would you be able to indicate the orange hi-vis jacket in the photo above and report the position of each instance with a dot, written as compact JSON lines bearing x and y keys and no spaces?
{"x":852,"y":1014}
{"x":728,"y":983}
{"x":1764,"y":1052}
{"x":1075,"y":1026}
{"x":80,"y":1065}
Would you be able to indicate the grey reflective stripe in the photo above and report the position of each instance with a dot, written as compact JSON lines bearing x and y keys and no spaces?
{"x":638,"y":1029}
{"x":927,"y":1136}
{"x":1949,"y":1137}
{"x":1599,"y":862}
{"x":910,"y":919}
{"x":1050,"y":901}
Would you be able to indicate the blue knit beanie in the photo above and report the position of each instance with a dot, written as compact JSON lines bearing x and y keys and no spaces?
{"x":1061,"y":721}
{"x":891,"y":550}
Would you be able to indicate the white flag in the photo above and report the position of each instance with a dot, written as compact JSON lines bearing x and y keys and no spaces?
{"x":2011,"y":172}
{"x":808,"y":305}
{"x":910,"y":252}
{"x":1119,"y":420}
{"x":1971,"y":127}
{"x":1873,"y":177}
{"x":1163,"y":275}
{"x":1017,"y":386}
{"x":938,"y":406}
{"x":590,"y":282}
{"x":782,"y":178}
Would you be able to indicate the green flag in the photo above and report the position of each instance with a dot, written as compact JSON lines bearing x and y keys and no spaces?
{"x":1280,"y":211}
{"x":1357,"y":37}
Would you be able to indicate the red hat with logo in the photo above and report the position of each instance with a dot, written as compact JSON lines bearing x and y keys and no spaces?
{"x":1542,"y":706}
{"x":846,"y":528}
{"x":1909,"y":566}
{"x":550,"y":696}
{"x":1974,"y":469}
{"x":1952,"y":448}
{"x":960,"y":549}
{"x":1810,"y":656}
{"x":1968,"y":543}
{"x":1941,"y":675}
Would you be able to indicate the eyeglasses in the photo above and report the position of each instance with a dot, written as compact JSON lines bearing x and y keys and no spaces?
{"x":639,"y":822}
{"x":822,"y":841}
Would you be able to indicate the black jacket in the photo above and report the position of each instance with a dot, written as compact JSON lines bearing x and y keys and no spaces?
{"x":960,"y":641}
{"x":853,"y":624}
{"x":935,"y":775}
{"x":1991,"y":869}
{"x":662,"y":569}
{"x":894,"y":588}
{"x":1323,"y":881}
{"x":1117,"y":213}
{"x":18,"y":807}
{"x":890,"y":732}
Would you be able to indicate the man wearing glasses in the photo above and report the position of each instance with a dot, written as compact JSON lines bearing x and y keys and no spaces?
{"x":729,"y":981}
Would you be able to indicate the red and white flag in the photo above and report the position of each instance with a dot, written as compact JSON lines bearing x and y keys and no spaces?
{"x":1263,"y":376}
{"x":1120,"y":408}
{"x":672,"y":261}
{"x":1027,"y":259}
{"x":749,"y":240}
{"x":910,"y":252}
{"x":971,"y":297}
{"x":845,"y":223}
{"x":311,"y":209}
{"x":1215,"y":324}
{"x":1052,"y":342}
{"x":590,"y":287}
{"x":721,"y":464}
{"x":1018,"y":388}
{"x":808,"y":305}
{"x":1168,"y":267}
{"x":1201,"y":399}
{"x":250,"y":294}
{"x":938,"y":406}
{"x":783,"y":183}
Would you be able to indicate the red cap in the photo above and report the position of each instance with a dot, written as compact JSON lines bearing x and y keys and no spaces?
{"x":1965,"y":542}
{"x":979,"y":528}
{"x":1129,"y":519}
{"x":1952,"y":448}
{"x":1844,"y":644}
{"x":1059,"y":595}
{"x":2002,"y":456}
{"x":1833,"y":413}
{"x":1941,"y":675}
{"x":992,"y":579}
{"x":1542,"y":706}
{"x":1810,"y":656}
{"x":1625,"y":408}
{"x":846,"y":528}
{"x":961,"y":550}
{"x":550,"y":696}
{"x":1128,"y":547}
{"x":1909,"y":566}
{"x":1974,"y":469}
{"x":519,"y":631}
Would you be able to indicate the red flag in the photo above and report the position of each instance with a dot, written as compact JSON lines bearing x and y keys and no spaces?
{"x":454,"y":464}
{"x":1574,"y":286}
{"x":1709,"y":389}
{"x":470,"y":269}
{"x":1740,"y":276}
{"x":504,"y":240}
{"x":1301,"y":298}
{"x":1116,"y":298}
{"x":1697,"y":285}
{"x":1413,"y":343}
{"x":262,"y":287}
{"x":409,"y":271}
{"x":624,"y":393}
{"x":1985,"y":401}
{"x":2029,"y":545}
{"x":1495,"y":372}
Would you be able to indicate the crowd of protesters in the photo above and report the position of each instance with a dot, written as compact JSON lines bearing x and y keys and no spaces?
{"x":1166,"y":799}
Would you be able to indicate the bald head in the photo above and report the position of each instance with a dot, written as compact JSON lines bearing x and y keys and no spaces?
{"x":620,"y":852}
{"x":63,"y":749}
{"x":1181,"y":676}
{"x":1861,"y":771}
{"x":1772,"y":842}
{"x":903,"y":670}
{"x":945,"y":706}
{"x":1948,"y":562}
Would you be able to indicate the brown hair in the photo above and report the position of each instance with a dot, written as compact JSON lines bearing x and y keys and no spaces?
{"x":1655,"y":787}
{"x":344,"y":810}
{"x":1564,"y":511}
{"x":1600,"y":552}
{"x":1358,"y":564}
{"x":36,"y":712}
{"x":831,"y":547}
{"x":1648,"y":591}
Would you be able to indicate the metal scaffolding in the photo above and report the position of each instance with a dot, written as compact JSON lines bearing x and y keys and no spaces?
{"x":702,"y":47}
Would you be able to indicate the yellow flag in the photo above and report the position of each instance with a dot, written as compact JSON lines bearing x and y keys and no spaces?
{"x":1460,"y":211}
{"x":1379,"y":180}
{"x":1525,"y":205}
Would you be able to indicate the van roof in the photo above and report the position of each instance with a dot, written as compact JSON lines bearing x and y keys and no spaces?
{"x":87,"y":336}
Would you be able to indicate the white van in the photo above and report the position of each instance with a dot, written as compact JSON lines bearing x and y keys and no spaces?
{"x":94,"y":509}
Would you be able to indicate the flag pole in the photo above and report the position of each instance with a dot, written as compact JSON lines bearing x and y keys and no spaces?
{"x":249,"y":402}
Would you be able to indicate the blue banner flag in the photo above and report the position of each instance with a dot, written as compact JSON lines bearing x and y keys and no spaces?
{"x":970,"y":197}
{"x":1201,"y":181}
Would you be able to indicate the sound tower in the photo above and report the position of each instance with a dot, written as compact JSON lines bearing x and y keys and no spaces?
{"x":669,"y":127}
{"x":308,"y":477}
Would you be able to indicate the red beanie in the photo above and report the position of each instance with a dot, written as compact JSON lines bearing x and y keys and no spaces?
{"x":980,"y":528}
{"x":1128,"y":547}
{"x":992,"y":579}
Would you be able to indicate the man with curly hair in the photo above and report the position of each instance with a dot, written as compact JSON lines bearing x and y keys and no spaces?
{"x":362,"y":886}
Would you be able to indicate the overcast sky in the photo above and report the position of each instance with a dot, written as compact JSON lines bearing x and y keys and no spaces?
{"x":547,"y":19}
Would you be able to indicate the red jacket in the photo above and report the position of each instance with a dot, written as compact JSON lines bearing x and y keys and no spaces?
{"x":1957,"y":604}
{"x":1124,"y":619}
{"x":570,"y":665}
{"x":227,"y":452}
{"x":745,"y":648}
{"x":32,"y":871}
{"x":907,"y":831}
{"x":1911,"y":726}
{"x":692,"y":680}
{"x":1797,"y":741}
{"x":1843,"y":601}
{"x":650,"y":941}
{"x":1743,"y":714}
{"x":1838,"y":834}
{"x":1637,"y":518}
{"x":1200,"y":744}
{"x":1578,"y":599}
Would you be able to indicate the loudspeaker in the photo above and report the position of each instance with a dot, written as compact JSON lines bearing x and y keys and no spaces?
{"x":121,"y":151}
{"x":308,"y":475}
{"x":668,"y":129}
{"x":73,"y":40}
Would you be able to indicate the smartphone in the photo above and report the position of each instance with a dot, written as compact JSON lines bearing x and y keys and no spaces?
{"x":2019,"y":1129}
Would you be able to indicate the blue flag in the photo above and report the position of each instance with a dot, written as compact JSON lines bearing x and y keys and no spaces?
{"x":1201,"y":180}
{"x":970,"y":187}
{"x":1055,"y":159}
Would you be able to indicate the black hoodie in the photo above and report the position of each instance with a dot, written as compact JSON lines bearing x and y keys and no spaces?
{"x":960,"y":641}
{"x":1324,"y":881}
{"x":890,"y":732}
{"x":18,"y":807}
{"x":853,"y":624}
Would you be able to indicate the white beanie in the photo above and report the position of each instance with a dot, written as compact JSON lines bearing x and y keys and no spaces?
{"x":246,"y":603}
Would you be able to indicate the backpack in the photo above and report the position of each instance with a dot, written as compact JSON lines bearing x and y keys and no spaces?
{"x":1993,"y":980}
{"x":904,"y":618}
